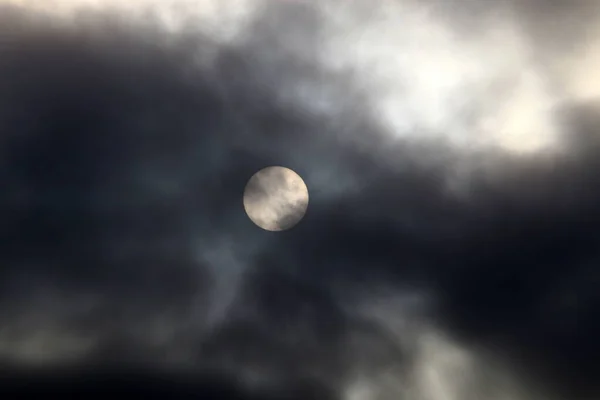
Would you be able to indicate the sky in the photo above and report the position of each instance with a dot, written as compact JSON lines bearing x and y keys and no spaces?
{"x":450,"y":247}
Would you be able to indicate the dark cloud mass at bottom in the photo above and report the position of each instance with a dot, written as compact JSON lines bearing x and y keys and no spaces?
{"x":127,"y":259}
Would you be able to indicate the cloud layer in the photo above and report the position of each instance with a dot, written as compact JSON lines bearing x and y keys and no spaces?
{"x":450,"y":251}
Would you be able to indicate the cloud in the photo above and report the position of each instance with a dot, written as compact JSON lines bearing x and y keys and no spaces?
{"x":451,"y":239}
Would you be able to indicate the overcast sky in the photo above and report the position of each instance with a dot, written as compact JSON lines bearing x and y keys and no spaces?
{"x":450,"y":247}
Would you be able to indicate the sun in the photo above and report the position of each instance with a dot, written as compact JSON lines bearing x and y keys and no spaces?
{"x":276,"y":198}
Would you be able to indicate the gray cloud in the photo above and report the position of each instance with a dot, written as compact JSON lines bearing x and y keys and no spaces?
{"x":450,"y":245}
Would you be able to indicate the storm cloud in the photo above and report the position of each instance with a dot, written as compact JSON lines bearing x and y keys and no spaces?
{"x":450,"y":148}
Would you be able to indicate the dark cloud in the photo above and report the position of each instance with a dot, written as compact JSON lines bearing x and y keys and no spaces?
{"x":122,"y":174}
{"x":143,"y":382}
